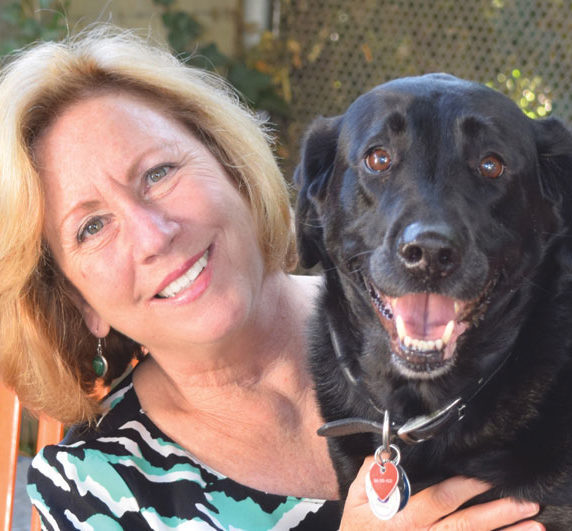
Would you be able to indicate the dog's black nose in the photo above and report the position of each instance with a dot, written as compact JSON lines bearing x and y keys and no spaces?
{"x":429,"y":250}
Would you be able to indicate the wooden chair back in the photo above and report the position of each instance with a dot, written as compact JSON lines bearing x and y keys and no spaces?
{"x":49,"y":432}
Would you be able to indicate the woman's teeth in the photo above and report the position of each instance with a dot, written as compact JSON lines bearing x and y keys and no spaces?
{"x":184,"y":281}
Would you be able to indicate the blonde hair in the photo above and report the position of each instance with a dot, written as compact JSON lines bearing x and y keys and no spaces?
{"x":45,"y":348}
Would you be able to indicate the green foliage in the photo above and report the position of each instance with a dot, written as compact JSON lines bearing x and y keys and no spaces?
{"x":183,"y":29}
{"x":185,"y":36}
{"x":26,"y":21}
{"x":511,"y":45}
{"x":530,"y":93}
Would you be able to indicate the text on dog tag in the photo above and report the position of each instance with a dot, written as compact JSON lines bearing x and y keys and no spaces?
{"x":383,"y":479}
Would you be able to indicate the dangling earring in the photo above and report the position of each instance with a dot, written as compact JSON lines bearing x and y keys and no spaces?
{"x":99,"y":363}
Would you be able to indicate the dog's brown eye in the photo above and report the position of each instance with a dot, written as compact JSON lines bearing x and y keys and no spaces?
{"x":378,"y":160}
{"x":491,"y":167}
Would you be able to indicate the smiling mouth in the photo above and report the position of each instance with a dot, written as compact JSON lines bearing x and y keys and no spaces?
{"x":185,"y":280}
{"x":424,"y":328}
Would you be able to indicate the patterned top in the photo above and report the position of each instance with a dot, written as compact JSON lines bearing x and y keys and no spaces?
{"x":125,"y":473}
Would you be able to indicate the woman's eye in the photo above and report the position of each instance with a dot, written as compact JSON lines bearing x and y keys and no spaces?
{"x":156,"y":174}
{"x":93,"y":226}
{"x":378,"y":160}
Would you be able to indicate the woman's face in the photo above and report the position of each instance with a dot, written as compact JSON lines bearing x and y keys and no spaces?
{"x":147,"y":225}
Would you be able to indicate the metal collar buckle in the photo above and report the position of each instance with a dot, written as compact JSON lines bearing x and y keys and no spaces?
{"x":419,"y":429}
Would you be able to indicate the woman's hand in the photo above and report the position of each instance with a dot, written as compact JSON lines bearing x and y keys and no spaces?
{"x":435,"y":508}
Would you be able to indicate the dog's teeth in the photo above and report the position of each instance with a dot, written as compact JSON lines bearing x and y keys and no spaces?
{"x":427,"y":346}
{"x":415,"y":344}
{"x":419,"y":344}
{"x":400,"y":326}
{"x":457,"y":308}
{"x":448,"y":332}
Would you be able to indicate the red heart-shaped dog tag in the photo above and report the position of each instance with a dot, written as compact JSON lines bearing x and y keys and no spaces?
{"x":384,"y":480}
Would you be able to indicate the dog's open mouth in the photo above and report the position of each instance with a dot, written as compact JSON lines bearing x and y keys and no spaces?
{"x":424,"y":328}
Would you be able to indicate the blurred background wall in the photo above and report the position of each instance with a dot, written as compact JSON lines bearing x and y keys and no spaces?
{"x":295,"y":59}
{"x":521,"y":47}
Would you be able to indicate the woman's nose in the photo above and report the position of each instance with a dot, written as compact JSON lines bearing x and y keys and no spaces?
{"x":152,"y":232}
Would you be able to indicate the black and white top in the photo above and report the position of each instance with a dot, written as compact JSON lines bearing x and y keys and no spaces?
{"x":124,"y":473}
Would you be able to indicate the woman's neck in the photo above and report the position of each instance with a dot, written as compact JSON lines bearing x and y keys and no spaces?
{"x":270,"y":347}
{"x":256,"y":402}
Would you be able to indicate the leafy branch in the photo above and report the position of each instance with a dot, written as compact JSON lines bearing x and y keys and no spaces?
{"x":260,"y":89}
{"x":26,"y":21}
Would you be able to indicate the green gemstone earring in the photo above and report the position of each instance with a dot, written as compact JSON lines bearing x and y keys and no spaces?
{"x":99,"y":363}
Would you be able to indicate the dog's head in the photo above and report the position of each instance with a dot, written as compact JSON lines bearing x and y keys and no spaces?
{"x":424,"y":197}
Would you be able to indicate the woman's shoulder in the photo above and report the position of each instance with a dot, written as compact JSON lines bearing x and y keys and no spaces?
{"x":306,"y":288}
{"x":120,"y":470}
{"x":125,"y":472}
{"x":311,"y":282}
{"x":148,"y":483}
{"x":119,"y":407}
{"x":122,"y":434}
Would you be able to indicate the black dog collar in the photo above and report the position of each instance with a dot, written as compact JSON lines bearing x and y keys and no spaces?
{"x":412,"y":431}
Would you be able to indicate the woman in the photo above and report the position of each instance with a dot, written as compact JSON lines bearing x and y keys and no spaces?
{"x":144,"y":217}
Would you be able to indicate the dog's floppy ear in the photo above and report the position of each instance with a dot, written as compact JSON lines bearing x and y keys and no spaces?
{"x":554,"y":146}
{"x":311,"y":178}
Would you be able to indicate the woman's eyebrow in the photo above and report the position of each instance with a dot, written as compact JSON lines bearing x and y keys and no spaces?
{"x":79,"y":206}
{"x":137,"y":166}
{"x":134,"y":169}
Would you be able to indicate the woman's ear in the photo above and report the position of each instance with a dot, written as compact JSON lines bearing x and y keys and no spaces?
{"x":96,"y":325}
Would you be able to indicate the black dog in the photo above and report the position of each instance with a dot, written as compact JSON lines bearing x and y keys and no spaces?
{"x":442,"y":217}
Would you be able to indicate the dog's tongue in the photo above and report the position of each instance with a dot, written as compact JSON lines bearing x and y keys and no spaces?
{"x":425,"y":315}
